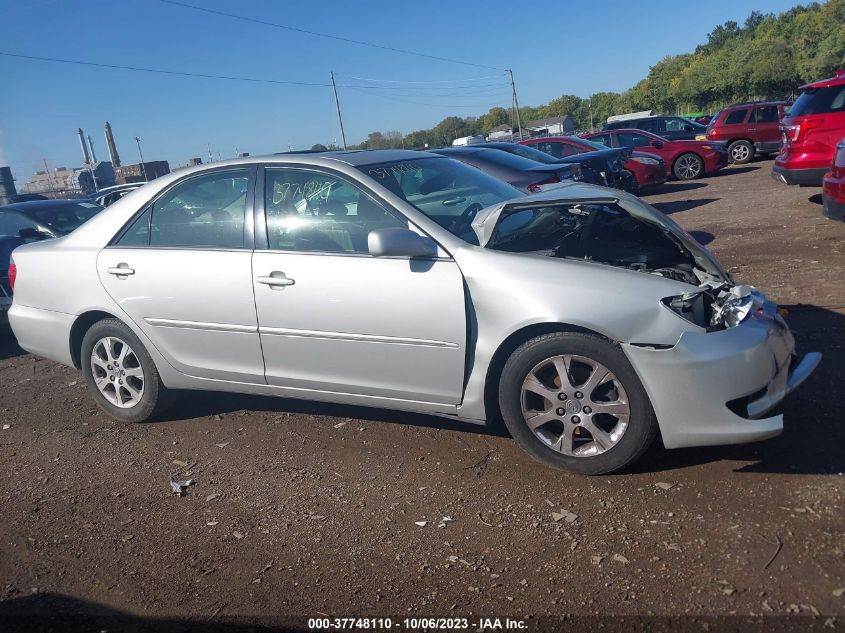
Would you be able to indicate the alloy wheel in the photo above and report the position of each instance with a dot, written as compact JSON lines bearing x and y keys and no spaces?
{"x":739,"y":153}
{"x":117,"y":372}
{"x":689,"y":167}
{"x":575,"y":405}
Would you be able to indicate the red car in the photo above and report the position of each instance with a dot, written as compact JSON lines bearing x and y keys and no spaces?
{"x":646,"y":169}
{"x":748,"y":128}
{"x":833,"y":192}
{"x":686,"y":160}
{"x":811,"y":129}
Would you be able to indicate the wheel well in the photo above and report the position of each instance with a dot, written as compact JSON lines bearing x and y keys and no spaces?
{"x":504,"y":351}
{"x":77,"y":332}
{"x":734,"y":140}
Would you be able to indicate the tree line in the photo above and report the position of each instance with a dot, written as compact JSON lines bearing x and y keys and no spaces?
{"x":768,"y":56}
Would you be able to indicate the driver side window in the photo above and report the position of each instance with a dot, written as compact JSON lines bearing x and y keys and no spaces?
{"x":315,"y":211}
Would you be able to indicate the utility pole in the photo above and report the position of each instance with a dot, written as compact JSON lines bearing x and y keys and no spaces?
{"x":140,"y":153}
{"x":516,"y":104}
{"x":49,"y":176}
{"x":210,"y":157}
{"x":590,"y":107}
{"x":339,"y":118}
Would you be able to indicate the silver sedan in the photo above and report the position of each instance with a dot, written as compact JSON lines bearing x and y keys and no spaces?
{"x":583,"y":317}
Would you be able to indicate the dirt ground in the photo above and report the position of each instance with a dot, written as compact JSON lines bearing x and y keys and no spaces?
{"x":301,"y":509}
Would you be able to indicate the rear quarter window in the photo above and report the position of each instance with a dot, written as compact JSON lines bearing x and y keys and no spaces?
{"x":736,"y":116}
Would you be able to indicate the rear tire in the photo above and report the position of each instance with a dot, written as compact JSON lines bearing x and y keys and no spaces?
{"x":741,"y":152}
{"x":120,"y":374}
{"x":587,"y":427}
{"x":688,"y":166}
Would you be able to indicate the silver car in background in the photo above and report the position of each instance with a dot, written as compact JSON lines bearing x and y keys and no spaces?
{"x":583,"y":317}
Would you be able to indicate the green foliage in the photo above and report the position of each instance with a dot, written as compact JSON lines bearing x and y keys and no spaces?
{"x":768,"y":56}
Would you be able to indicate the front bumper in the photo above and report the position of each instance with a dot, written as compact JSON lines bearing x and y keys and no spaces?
{"x":713,"y":388}
{"x":802,"y":177}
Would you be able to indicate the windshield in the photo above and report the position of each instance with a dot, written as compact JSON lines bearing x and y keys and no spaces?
{"x":447,"y":191}
{"x":65,"y":218}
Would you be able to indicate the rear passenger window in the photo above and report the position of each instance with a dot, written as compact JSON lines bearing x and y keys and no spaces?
{"x":202,"y":212}
{"x":318,"y":212}
{"x":138,"y":234}
{"x":737,"y":116}
{"x":766,"y":114}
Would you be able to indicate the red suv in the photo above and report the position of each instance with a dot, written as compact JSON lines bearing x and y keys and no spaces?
{"x":748,"y":128}
{"x":811,"y":129}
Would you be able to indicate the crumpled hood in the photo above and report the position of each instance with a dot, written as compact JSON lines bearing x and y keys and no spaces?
{"x":487,"y":219}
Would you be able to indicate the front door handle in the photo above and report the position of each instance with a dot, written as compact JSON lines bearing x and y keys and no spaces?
{"x":121,"y":270}
{"x":275,"y":278}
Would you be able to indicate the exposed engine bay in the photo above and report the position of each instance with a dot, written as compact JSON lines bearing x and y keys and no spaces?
{"x":608,"y":234}
{"x":603,"y":233}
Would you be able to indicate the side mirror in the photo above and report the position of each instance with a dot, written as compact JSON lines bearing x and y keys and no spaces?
{"x":31,"y":233}
{"x":656,"y":144}
{"x":396,"y":242}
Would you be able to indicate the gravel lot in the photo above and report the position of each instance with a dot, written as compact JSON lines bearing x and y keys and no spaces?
{"x":306,"y":509}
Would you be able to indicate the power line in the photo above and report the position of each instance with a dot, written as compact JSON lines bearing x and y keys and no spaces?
{"x":326,"y":35}
{"x":393,"y":98}
{"x":439,"y":81}
{"x":163,"y":71}
{"x":284,"y":82}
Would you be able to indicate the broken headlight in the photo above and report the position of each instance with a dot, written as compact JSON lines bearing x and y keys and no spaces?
{"x":734,"y":305}
{"x":694,"y":306}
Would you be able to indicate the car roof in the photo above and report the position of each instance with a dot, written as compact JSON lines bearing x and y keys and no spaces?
{"x":34,"y":205}
{"x":837,"y":80}
{"x":745,"y":104}
{"x":555,"y":138}
{"x":355,"y":158}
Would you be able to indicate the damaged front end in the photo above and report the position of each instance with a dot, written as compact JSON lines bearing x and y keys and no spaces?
{"x":623,"y":232}
{"x":717,"y":380}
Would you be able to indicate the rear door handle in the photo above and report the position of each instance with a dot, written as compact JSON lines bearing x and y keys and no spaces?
{"x":275,"y":278}
{"x":120,"y":270}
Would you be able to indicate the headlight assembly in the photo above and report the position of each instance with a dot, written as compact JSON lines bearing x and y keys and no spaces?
{"x":645,"y":160}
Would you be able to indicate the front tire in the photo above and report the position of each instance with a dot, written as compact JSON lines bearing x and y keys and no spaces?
{"x":628,"y":182}
{"x":120,"y":374}
{"x":573,"y":401}
{"x":688,"y":166}
{"x":741,"y":152}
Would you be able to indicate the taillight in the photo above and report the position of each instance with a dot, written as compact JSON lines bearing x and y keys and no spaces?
{"x":538,"y":186}
{"x":798,"y":131}
{"x":13,"y":274}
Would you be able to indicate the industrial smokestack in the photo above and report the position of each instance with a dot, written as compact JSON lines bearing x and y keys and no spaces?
{"x":91,"y":147}
{"x":115,"y":159}
{"x":85,"y":157}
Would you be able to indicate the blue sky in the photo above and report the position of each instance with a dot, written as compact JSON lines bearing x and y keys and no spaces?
{"x":572,"y":47}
